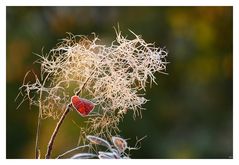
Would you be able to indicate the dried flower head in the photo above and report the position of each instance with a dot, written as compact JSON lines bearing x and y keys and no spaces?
{"x":113,"y":77}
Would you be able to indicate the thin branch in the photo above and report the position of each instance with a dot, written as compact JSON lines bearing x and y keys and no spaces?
{"x":78,"y":92}
{"x":53,"y":136}
{"x":74,"y":149}
{"x":37,"y":150}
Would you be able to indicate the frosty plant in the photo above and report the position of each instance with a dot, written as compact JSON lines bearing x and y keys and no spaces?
{"x":102,"y":83}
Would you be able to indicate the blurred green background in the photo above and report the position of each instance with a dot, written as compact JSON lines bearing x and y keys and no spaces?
{"x":189,"y":114}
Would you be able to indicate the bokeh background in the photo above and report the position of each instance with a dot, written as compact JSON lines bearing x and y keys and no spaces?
{"x":189,"y":114}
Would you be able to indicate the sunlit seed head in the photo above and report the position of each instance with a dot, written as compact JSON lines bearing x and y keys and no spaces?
{"x":116,"y":76}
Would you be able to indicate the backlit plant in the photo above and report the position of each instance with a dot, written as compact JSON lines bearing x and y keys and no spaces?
{"x":101,"y":82}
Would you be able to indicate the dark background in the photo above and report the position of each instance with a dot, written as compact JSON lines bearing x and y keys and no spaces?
{"x":189,"y":114}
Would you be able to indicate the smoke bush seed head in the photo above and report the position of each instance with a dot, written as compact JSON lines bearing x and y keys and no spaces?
{"x":116,"y":76}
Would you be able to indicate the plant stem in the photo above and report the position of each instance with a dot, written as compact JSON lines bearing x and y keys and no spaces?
{"x":37,"y":149}
{"x":74,"y":149}
{"x":53,"y":136}
{"x":37,"y":153}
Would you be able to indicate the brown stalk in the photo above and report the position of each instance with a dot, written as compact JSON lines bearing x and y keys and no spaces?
{"x":53,"y":136}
